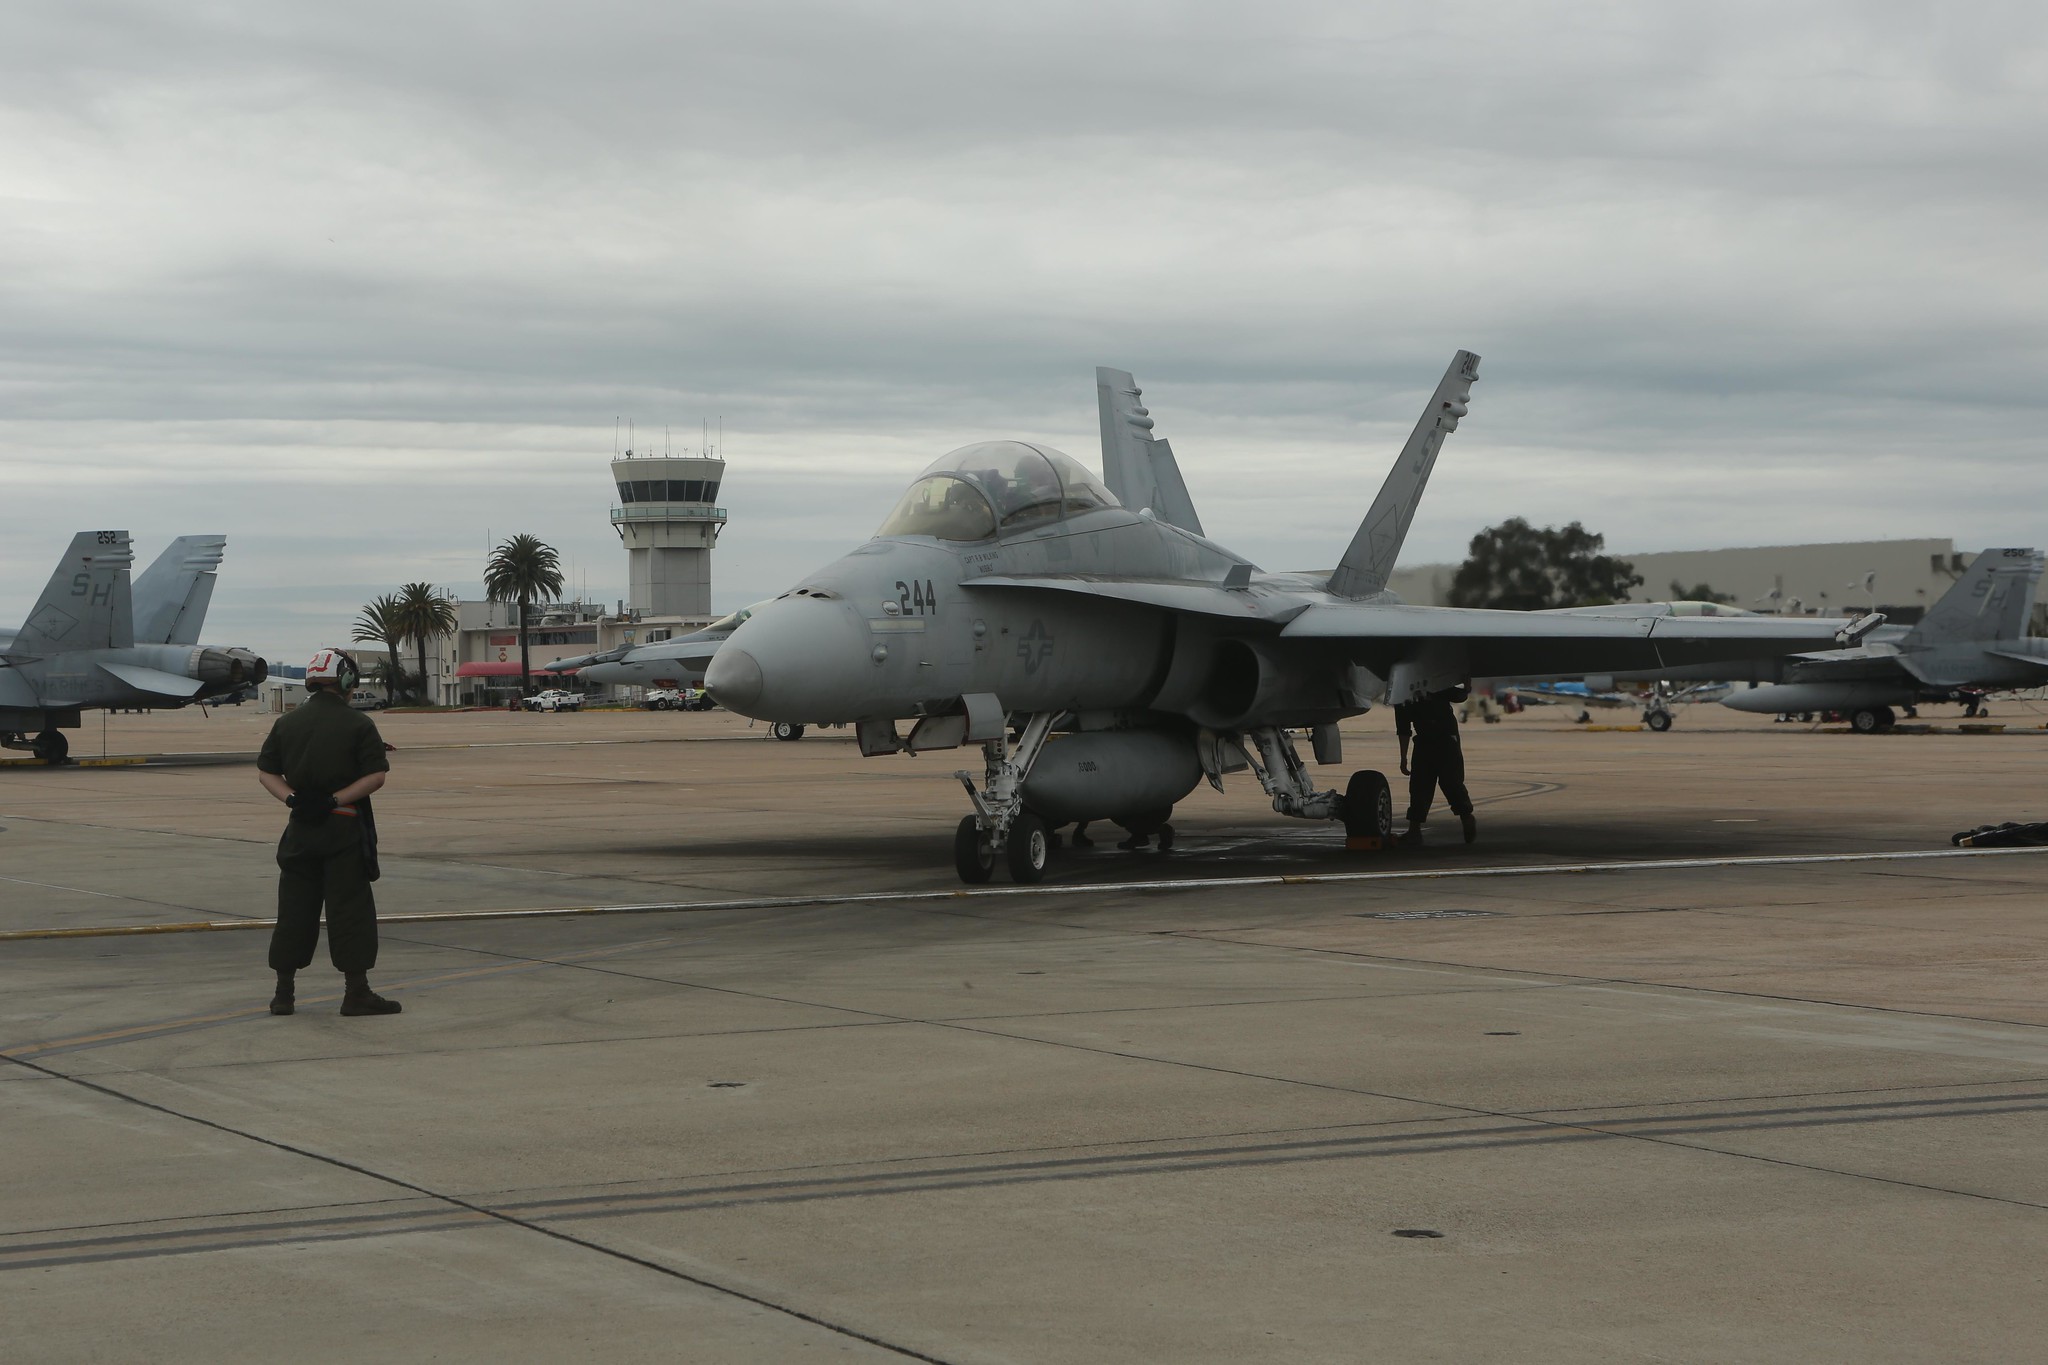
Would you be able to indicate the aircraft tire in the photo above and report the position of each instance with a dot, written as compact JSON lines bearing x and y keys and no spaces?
{"x":52,"y":747}
{"x":973,"y":859}
{"x":784,"y":729}
{"x":1660,"y":721}
{"x":1868,"y":720}
{"x":1028,"y":850}
{"x":1368,"y":806}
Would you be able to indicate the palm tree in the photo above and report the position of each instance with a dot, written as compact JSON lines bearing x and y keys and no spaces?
{"x":523,"y":570}
{"x":383,"y":621}
{"x":427,"y":614}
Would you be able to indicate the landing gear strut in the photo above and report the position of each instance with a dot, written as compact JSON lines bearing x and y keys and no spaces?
{"x":1000,"y":826}
{"x":1366,"y":806}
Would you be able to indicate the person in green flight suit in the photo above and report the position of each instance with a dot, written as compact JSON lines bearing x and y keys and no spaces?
{"x":1432,"y":722}
{"x":323,"y":760}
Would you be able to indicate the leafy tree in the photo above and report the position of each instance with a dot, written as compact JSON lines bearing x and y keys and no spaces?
{"x":523,"y":570}
{"x":382,"y":623}
{"x":1699,"y":592}
{"x":1521,"y":567}
{"x":391,"y":674}
{"x":427,"y":613}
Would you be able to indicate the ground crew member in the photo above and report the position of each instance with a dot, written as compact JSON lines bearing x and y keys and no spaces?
{"x":1439,"y":760}
{"x":323,"y":760}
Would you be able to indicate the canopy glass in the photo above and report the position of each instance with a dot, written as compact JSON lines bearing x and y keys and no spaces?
{"x":992,"y":488}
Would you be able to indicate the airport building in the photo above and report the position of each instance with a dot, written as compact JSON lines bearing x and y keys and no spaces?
{"x":668,"y":519}
{"x":1901,"y":578}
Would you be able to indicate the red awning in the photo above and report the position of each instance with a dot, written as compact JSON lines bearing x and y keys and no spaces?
{"x":485,"y":668}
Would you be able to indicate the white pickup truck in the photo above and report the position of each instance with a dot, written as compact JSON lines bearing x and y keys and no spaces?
{"x":555,"y":699}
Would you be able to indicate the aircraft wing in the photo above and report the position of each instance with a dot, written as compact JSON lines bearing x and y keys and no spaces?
{"x":1479,"y":643}
{"x":1250,"y":603}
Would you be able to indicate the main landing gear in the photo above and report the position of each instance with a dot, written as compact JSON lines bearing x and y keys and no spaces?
{"x":1366,"y":806}
{"x":783,"y":729}
{"x":1871,"y":720}
{"x":50,"y":746}
{"x":1003,"y":833}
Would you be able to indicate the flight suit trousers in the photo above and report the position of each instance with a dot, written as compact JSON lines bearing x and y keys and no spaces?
{"x":1436,"y":765}
{"x":308,"y":880}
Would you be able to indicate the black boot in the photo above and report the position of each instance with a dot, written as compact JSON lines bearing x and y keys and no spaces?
{"x":281,"y":1002}
{"x":1471,"y":826}
{"x":358,"y":998}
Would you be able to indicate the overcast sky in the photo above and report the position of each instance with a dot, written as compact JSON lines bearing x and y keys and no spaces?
{"x":365,"y":286}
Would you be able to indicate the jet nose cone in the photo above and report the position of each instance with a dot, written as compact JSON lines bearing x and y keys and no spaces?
{"x":734,"y":680}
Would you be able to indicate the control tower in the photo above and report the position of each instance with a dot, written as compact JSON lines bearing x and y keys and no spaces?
{"x":668,"y":518}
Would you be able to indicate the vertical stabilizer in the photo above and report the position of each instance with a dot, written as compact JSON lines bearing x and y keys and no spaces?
{"x":1139,"y":467}
{"x":1991,"y":601}
{"x":1369,"y":562}
{"x":172,"y":594}
{"x":86,"y":603}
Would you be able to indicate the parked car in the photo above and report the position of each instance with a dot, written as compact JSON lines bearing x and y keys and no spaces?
{"x":555,"y":699}
{"x":363,"y":699}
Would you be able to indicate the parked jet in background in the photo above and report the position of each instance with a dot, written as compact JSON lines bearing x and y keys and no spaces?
{"x":679,"y":662}
{"x":1011,"y":591}
{"x":1973,"y":640}
{"x":1653,"y":700}
{"x":81,"y":647}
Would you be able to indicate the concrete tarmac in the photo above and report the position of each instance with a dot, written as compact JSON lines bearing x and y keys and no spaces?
{"x":1698,"y":1108}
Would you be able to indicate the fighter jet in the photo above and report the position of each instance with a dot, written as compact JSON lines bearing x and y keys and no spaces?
{"x":82,"y":646}
{"x":665,"y":663}
{"x":1107,"y":656}
{"x":1973,"y":640}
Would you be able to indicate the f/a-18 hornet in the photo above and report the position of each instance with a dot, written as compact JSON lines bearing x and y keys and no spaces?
{"x":90,"y":641}
{"x":675,"y":662}
{"x":1108,"y":656}
{"x":1974,"y":640}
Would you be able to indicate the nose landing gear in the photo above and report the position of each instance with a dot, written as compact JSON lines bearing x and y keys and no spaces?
{"x":1000,"y":826}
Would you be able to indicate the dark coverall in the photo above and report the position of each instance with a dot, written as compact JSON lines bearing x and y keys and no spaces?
{"x":323,"y":746}
{"x":1438,"y":759}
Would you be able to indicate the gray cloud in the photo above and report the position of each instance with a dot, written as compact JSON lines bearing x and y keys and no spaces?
{"x":362,"y":286}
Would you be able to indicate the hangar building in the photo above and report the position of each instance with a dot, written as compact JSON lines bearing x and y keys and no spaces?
{"x":1909,"y":576}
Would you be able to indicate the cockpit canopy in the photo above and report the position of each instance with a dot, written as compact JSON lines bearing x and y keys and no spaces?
{"x":728,"y":624}
{"x":993,"y":488}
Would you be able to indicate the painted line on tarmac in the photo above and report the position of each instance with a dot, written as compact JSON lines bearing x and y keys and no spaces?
{"x":1062,"y":889}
